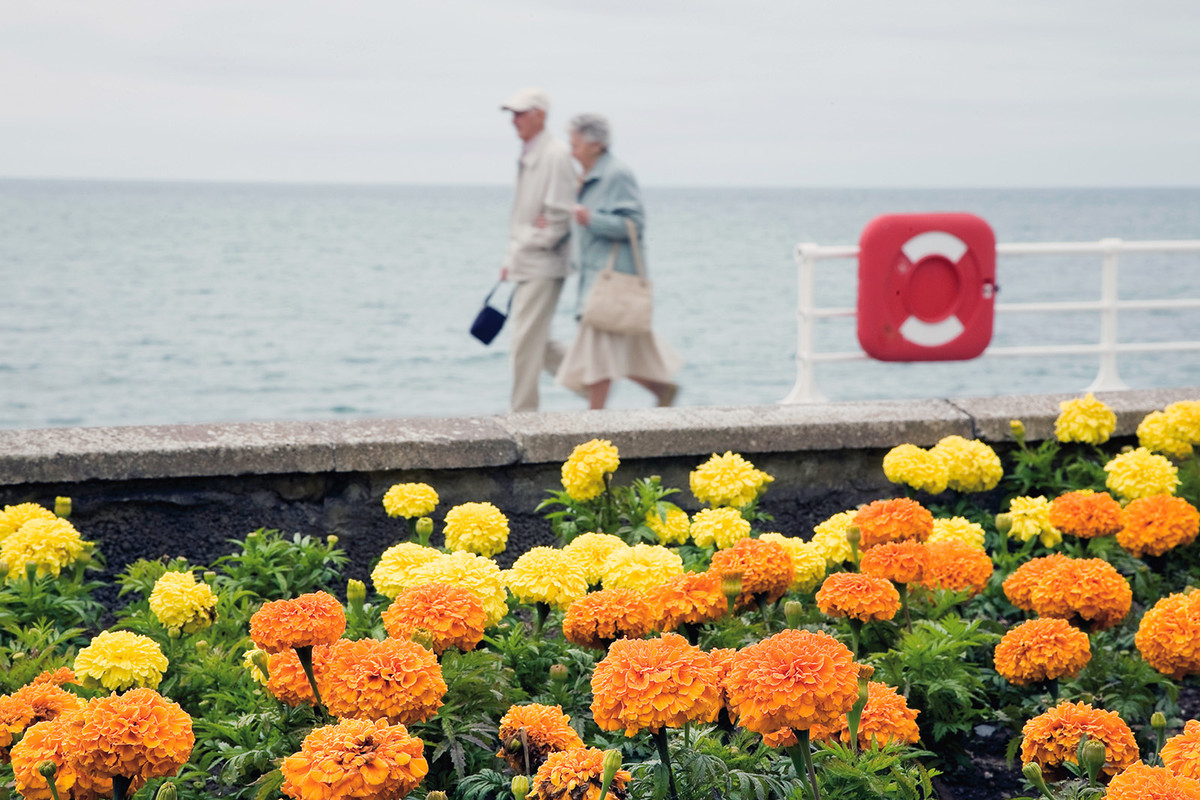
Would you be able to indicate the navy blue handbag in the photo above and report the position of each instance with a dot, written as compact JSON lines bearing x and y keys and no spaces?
{"x":489,"y":320}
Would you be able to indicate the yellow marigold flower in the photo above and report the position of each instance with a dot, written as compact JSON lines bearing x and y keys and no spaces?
{"x":829,"y":538}
{"x":13,"y":517}
{"x":288,"y":681}
{"x":886,"y":718}
{"x":728,"y":480}
{"x":118,"y":660}
{"x":1140,"y":473}
{"x":393,"y":680}
{"x":1019,"y":586}
{"x":1085,"y":514}
{"x":921,"y":469}
{"x":547,"y":730}
{"x":1158,"y":523}
{"x":478,"y":528}
{"x":692,"y":598}
{"x":1157,"y":434}
{"x":29,"y":705}
{"x":1088,"y":588}
{"x":893,"y":521}
{"x":577,"y":773}
{"x":957,"y":566}
{"x":410,"y":500}
{"x":654,"y":683}
{"x":1042,"y":650}
{"x":355,"y":758}
{"x":181,"y":604}
{"x":898,"y":562}
{"x":543,"y":575}
{"x":765,"y":567}
{"x":310,"y":619}
{"x":592,"y":550}
{"x":719,"y":527}
{"x":1085,"y":420}
{"x":794,"y":679}
{"x":251,"y":666}
{"x":1030,"y":518}
{"x":957,"y":528}
{"x":583,"y":472}
{"x":1185,"y":419}
{"x":50,"y":543}
{"x":808,"y":561}
{"x":481,"y":575}
{"x":673,"y":529}
{"x":1168,"y":636}
{"x":1181,"y":754}
{"x":391,"y":574}
{"x":140,"y":735}
{"x":858,"y":596}
{"x":972,"y":466}
{"x":1052,"y":739}
{"x":1143,"y":782}
{"x":600,"y":618}
{"x":452,"y":615}
{"x":640,"y":567}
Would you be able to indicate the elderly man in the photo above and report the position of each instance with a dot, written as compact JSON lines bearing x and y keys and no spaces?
{"x":537,"y":247}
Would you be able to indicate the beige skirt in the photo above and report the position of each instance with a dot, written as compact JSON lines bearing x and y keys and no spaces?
{"x":599,"y":355}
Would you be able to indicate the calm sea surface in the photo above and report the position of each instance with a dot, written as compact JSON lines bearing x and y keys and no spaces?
{"x":147,"y":303}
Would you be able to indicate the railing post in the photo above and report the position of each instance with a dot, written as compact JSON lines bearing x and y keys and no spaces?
{"x":805,"y":391}
{"x":1108,"y":378}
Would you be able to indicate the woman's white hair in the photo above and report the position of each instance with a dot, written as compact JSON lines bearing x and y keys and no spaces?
{"x":592,"y":127}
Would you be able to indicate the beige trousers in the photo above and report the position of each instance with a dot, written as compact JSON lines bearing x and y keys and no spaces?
{"x":533,"y":350}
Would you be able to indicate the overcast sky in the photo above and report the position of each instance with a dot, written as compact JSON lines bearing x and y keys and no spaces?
{"x":700,"y":92}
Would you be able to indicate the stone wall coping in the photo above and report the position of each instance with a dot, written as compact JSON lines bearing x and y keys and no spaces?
{"x":69,"y":455}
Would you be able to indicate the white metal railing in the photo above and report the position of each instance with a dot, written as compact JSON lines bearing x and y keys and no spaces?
{"x":1107,"y":306}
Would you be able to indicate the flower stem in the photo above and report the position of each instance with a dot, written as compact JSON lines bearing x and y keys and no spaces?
{"x":304,"y":653}
{"x":801,"y":754}
{"x":660,"y":739}
{"x":765,"y":608}
{"x":902,"y":588}
{"x":541,"y":611}
{"x":855,"y":630}
{"x":120,"y":787}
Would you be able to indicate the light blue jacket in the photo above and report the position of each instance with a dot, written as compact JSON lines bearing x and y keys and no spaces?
{"x":610,"y":192}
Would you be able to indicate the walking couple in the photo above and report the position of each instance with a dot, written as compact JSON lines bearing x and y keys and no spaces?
{"x":558,"y":216}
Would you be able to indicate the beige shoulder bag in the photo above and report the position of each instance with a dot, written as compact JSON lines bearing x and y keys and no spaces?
{"x":619,"y":302}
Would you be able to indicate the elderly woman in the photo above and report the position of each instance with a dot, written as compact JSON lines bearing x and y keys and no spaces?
{"x":608,"y":196}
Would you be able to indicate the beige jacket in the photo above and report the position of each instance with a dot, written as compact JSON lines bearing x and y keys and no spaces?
{"x":546,"y":184}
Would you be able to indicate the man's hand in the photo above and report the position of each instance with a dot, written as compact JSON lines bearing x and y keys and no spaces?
{"x":581,"y":214}
{"x":540,"y":221}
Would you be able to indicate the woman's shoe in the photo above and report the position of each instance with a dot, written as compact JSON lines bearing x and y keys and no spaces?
{"x":667,"y":396}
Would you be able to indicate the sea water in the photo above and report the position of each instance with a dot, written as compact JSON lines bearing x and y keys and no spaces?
{"x":129,"y":303}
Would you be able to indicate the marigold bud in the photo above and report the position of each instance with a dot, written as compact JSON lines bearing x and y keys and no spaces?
{"x":1004,"y":523}
{"x":436,"y":796}
{"x":356,"y":592}
{"x":612,"y":763}
{"x":202,"y":646}
{"x":62,"y":507}
{"x":1093,"y":755}
{"x":793,"y":612}
{"x":262,"y":661}
{"x":520,"y":787}
{"x":559,"y":673}
{"x":48,"y":769}
{"x":209,"y":576}
{"x":331,"y":539}
{"x":424,"y":527}
{"x":1033,"y":773}
{"x":1018,"y":429}
{"x":166,"y":792}
{"x":1158,"y":720}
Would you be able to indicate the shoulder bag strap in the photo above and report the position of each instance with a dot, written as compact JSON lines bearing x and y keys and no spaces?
{"x":633,"y":246}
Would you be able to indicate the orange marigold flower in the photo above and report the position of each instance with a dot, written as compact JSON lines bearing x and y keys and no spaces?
{"x":1086,"y":514}
{"x":691,"y":598}
{"x":766,"y":569}
{"x":722,"y":661}
{"x":858,"y":596}
{"x":547,"y":730}
{"x":886,"y":718}
{"x":30,"y":705}
{"x":56,"y":741}
{"x":652,"y":683}
{"x":1143,"y":782}
{"x":899,"y":562}
{"x":355,"y":758}
{"x":288,"y":681}
{"x":310,"y":619}
{"x":393,"y":680}
{"x":957,"y":566}
{"x":893,"y":521}
{"x":1181,"y":753}
{"x":1052,"y":738}
{"x":1168,"y":636}
{"x":58,"y":677}
{"x":1019,"y":586}
{"x":1088,"y":588}
{"x":139,"y":734}
{"x":453,"y":615}
{"x":794,"y":679}
{"x":598,"y":619}
{"x":1158,"y":523}
{"x":1042,"y":650}
{"x":576,"y":775}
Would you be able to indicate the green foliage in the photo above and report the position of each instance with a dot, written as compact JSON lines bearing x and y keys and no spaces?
{"x":66,"y":600}
{"x":1053,"y":468}
{"x":1119,"y":680}
{"x":33,"y":647}
{"x":274,"y":567}
{"x":240,"y":750}
{"x":486,"y":784}
{"x":880,"y":772}
{"x":619,"y":510}
{"x":709,"y":767}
